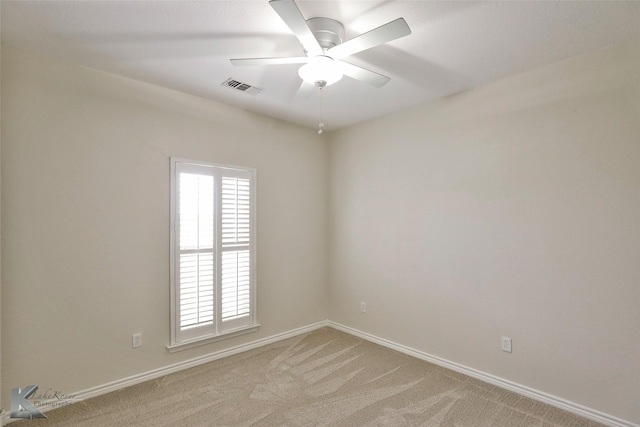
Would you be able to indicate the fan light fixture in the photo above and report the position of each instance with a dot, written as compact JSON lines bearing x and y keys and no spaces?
{"x":320,"y":71}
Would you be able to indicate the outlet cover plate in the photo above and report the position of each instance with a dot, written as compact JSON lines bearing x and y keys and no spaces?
{"x":506,"y":344}
{"x":136,"y":340}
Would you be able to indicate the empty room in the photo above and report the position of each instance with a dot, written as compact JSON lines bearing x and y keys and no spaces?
{"x":320,"y":213}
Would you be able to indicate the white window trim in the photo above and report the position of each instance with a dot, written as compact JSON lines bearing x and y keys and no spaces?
{"x":216,"y":333}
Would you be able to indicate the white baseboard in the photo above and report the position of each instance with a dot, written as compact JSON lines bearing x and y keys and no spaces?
{"x":488,"y":378}
{"x":491,"y":379}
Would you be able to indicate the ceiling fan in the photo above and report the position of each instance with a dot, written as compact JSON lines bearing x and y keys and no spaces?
{"x":322,"y":42}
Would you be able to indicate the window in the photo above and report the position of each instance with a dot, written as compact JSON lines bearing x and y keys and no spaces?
{"x":213,"y":290}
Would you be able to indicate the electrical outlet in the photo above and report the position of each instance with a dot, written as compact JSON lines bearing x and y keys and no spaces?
{"x":506,"y":344}
{"x":136,"y":340}
{"x":363,"y":307}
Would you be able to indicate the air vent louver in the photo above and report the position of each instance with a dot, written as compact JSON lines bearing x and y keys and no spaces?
{"x":242,"y":87}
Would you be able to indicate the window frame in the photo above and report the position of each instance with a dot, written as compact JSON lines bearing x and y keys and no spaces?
{"x":218,"y":330}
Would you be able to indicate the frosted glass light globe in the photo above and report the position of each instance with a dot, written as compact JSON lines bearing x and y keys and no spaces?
{"x":320,"y":68}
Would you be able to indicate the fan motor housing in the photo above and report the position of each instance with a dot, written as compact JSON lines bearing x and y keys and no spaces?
{"x":327,"y":31}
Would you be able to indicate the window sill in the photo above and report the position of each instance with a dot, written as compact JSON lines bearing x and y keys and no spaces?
{"x":173,"y":348}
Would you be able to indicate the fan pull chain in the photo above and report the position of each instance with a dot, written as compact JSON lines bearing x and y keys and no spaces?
{"x":320,"y":124}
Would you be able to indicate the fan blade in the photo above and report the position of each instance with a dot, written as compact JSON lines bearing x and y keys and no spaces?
{"x":305,"y":90}
{"x":291,"y":15}
{"x":383,"y":34}
{"x":270,"y":61}
{"x":362,"y":74}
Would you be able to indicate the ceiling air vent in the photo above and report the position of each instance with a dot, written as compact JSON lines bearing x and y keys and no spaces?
{"x":242,"y":87}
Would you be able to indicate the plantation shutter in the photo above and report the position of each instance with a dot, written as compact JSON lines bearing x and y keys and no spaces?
{"x":213,"y":276}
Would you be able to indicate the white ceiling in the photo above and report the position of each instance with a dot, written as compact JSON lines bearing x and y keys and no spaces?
{"x":186,"y":45}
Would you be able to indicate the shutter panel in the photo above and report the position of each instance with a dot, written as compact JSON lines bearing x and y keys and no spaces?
{"x":236,"y":210}
{"x":196,"y":211}
{"x":196,"y":289}
{"x":236,"y":284}
{"x":196,"y":234}
{"x":236,"y":256}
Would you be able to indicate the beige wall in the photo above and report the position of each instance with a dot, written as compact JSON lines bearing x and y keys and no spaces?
{"x":510,"y":210}
{"x":85,"y":199}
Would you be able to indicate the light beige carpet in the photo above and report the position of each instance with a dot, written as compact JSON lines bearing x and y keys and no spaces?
{"x":324,"y":378}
